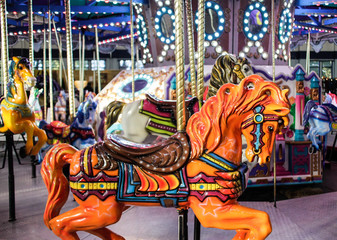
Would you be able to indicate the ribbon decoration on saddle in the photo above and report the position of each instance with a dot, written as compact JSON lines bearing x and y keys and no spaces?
{"x":162,"y":114}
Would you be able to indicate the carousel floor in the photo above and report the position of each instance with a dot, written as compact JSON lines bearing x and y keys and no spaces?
{"x":310,"y":217}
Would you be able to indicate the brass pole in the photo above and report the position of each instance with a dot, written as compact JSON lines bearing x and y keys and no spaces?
{"x":132,"y":51}
{"x":80,"y":62}
{"x":94,"y":74}
{"x":273,"y":66}
{"x":59,"y":44}
{"x":44,"y":71}
{"x":201,"y":49}
{"x":82,"y":74}
{"x":179,"y":56}
{"x":31,"y":34}
{"x":97,"y":61}
{"x":51,"y":100}
{"x":70,"y":60}
{"x":4,"y":45}
{"x":190,"y":34}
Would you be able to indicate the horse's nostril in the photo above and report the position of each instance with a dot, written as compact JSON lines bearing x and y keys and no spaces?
{"x":268,"y":159}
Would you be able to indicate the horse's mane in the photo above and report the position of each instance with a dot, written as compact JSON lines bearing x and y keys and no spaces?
{"x":222,"y":71}
{"x":230,"y":99}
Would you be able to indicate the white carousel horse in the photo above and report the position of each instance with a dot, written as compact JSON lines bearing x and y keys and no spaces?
{"x":79,"y":133}
{"x":144,"y":119}
{"x":320,"y":118}
{"x":34,"y":103}
{"x":60,"y":108}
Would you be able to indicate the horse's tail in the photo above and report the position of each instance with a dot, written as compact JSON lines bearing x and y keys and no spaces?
{"x":113,"y":110}
{"x":55,"y":181}
{"x":310,"y":104}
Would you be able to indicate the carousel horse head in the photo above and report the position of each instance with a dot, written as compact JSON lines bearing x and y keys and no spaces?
{"x":228,"y":68}
{"x":255,"y":108}
{"x":86,"y":111}
{"x":320,"y":118}
{"x":20,"y":70}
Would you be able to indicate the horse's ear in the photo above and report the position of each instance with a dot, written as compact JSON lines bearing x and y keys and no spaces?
{"x":16,"y":59}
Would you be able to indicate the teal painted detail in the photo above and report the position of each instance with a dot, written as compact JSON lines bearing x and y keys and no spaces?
{"x":299,"y":135}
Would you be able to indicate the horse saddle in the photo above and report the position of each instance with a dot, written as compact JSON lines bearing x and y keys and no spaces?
{"x":162,"y":113}
{"x":57,"y":129}
{"x":152,"y":173}
{"x":164,"y":157}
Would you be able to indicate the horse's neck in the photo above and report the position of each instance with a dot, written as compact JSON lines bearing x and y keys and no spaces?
{"x":77,"y":124}
{"x":230,"y":146}
{"x":19,"y":96}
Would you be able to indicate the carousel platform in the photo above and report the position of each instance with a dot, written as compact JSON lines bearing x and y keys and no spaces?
{"x":307,"y":217}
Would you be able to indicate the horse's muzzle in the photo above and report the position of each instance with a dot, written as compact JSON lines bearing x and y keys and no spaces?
{"x":31,"y":81}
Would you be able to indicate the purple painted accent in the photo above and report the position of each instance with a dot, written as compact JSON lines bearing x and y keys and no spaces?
{"x":82,"y":160}
{"x":101,"y":126}
{"x":90,"y":172}
{"x":98,"y":193}
{"x":286,"y":77}
{"x":202,"y":176}
{"x":202,"y":196}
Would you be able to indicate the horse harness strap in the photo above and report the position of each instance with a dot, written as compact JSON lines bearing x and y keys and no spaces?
{"x":24,"y":109}
{"x":257,"y":120}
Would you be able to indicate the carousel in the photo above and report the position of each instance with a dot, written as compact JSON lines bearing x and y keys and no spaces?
{"x":206,"y":107}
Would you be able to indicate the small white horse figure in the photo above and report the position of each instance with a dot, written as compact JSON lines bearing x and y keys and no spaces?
{"x":34,"y":104}
{"x":320,"y":118}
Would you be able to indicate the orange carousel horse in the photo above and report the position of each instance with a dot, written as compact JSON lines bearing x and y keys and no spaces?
{"x":16,"y":115}
{"x":200,"y":169}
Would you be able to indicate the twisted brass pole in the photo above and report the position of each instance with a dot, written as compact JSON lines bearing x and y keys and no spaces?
{"x":4,"y":45}
{"x":82,"y":68}
{"x":273,"y":67}
{"x":44,"y":71}
{"x":201,"y":49}
{"x":70,"y":60}
{"x":31,"y":34}
{"x":132,"y":52}
{"x":51,"y":100}
{"x":97,"y":61}
{"x":190,"y":36}
{"x":179,"y":56}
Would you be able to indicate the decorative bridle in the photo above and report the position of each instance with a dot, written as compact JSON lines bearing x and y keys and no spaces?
{"x":257,"y":120}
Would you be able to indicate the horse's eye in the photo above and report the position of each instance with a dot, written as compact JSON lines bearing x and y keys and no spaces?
{"x":270,"y":128}
{"x":90,"y":109}
{"x":20,"y":67}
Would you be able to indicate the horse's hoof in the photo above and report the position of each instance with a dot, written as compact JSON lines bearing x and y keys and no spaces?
{"x":22,"y":152}
{"x":312,"y":150}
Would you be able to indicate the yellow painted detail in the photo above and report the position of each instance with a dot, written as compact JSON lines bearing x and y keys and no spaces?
{"x":216,"y":161}
{"x":205,"y":186}
{"x":93,"y":186}
{"x":85,"y":161}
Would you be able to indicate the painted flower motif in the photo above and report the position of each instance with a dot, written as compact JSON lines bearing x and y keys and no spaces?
{"x":292,"y":100}
{"x":306,"y":91}
{"x":290,"y":134}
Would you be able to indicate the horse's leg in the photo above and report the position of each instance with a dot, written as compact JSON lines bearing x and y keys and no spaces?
{"x":213,"y":213}
{"x":42,"y":139}
{"x":91,"y":216}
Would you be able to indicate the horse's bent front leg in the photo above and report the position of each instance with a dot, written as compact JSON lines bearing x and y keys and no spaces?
{"x":42,"y":139}
{"x":93,"y":215}
{"x":213,"y":213}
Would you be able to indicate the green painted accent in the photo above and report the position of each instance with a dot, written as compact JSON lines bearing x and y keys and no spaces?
{"x":165,"y":123}
{"x":160,"y":131}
